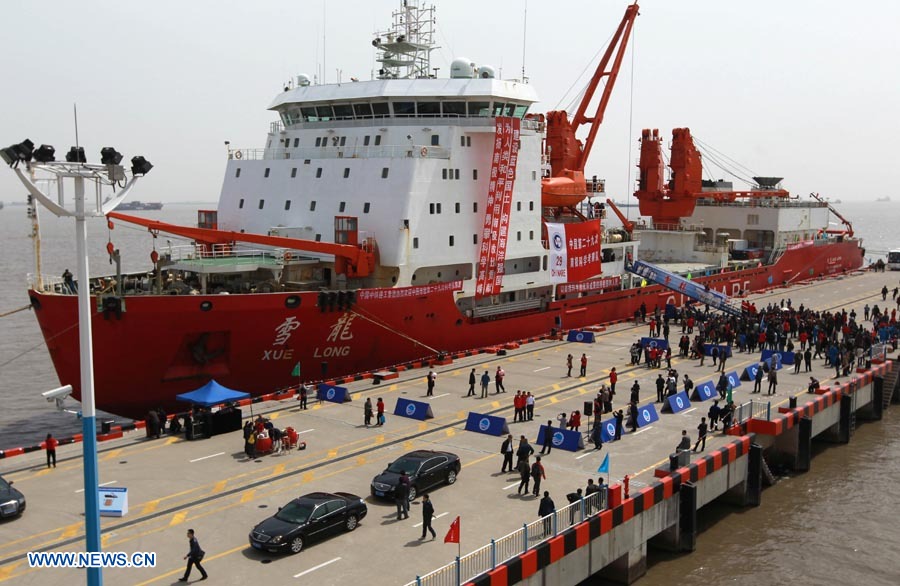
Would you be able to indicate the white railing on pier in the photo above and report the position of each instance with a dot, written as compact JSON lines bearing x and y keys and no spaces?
{"x":488,"y":557}
{"x":753,"y":410}
{"x":418,"y":151}
{"x":878,"y":351}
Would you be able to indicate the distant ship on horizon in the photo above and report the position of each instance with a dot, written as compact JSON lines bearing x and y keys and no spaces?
{"x":883,"y":199}
{"x":139,"y":206}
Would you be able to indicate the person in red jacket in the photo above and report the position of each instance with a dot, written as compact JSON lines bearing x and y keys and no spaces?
{"x":50,"y":445}
{"x":613,"y":379}
{"x":379,"y":409}
{"x":575,"y":420}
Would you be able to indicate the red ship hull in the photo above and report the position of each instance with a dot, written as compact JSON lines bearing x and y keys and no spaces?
{"x":160,"y":346}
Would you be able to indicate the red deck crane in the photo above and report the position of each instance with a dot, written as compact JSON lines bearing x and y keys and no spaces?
{"x":566,"y":185}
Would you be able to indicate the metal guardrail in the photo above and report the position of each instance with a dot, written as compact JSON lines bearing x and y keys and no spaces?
{"x":417,"y":151}
{"x":753,"y":410}
{"x":488,"y":557}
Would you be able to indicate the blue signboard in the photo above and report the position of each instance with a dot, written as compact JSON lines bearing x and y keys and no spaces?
{"x":704,"y":391}
{"x":676,"y":403}
{"x":749,"y":373}
{"x":608,"y":430}
{"x":413,"y":409}
{"x":784,"y":357}
{"x":647,"y":415}
{"x":113,"y":501}
{"x":658,"y":342}
{"x":562,"y":438}
{"x":687,"y":288}
{"x":723,"y":349}
{"x":486,"y":424}
{"x":579,"y":336}
{"x":733,"y":379}
{"x":332,"y":393}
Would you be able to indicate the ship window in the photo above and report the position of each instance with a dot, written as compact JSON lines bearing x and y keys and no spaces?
{"x":312,"y":206}
{"x":518,"y":235}
{"x":457,"y":207}
{"x":518,"y":206}
{"x":342,"y":206}
{"x":346,"y":172}
{"x":324,"y":112}
{"x":429,"y":108}
{"x":262,"y":203}
{"x":443,"y":173}
{"x":475,"y":174}
{"x":510,"y":109}
{"x":318,"y":237}
{"x":431,"y":208}
{"x":324,"y":141}
{"x":380,"y":109}
{"x":531,"y":234}
{"x":366,"y":207}
{"x":237,"y":173}
{"x":293,"y":172}
{"x":456,"y":174}
{"x":292,"y":301}
{"x":451,"y":240}
{"x":343,"y":141}
{"x":521,"y":110}
{"x":384,"y":172}
{"x":462,"y":141}
{"x":474,"y":238}
{"x":343,"y":111}
{"x":415,"y":242}
{"x":366,"y":140}
{"x":531,"y":206}
{"x":534,"y":175}
{"x":377,"y":140}
{"x":468,"y":141}
{"x":287,"y":205}
{"x":404,"y":108}
{"x":266,"y":174}
{"x":205,"y":305}
{"x":438,"y":208}
{"x":475,"y":207}
{"x":307,"y":161}
{"x":319,"y":173}
{"x":309,"y":115}
{"x":455,"y":109}
{"x":545,"y":262}
{"x":287,"y":142}
{"x":435,"y":139}
{"x":318,"y":141}
{"x":296,"y":142}
{"x":241,"y":204}
{"x":363,"y":110}
{"x":479,"y":109}
{"x":499,"y":108}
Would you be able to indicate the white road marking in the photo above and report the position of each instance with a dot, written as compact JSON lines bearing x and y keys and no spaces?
{"x":688,"y":411}
{"x":640,"y":431}
{"x":511,"y":485}
{"x":439,"y":396}
{"x":540,"y":369}
{"x":205,"y":457}
{"x":313,"y":569}
{"x":305,"y":431}
{"x":435,"y":517}
{"x":103,"y":484}
{"x":584,"y":455}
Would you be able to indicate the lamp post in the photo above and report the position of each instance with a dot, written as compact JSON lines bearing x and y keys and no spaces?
{"x":109,"y":174}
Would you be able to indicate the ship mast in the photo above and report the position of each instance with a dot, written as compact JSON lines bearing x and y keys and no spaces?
{"x":405,"y":48}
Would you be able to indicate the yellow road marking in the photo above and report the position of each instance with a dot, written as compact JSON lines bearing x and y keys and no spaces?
{"x":219,"y":487}
{"x":495,"y":404}
{"x":332,"y":453}
{"x":423,"y":426}
{"x":461,"y":414}
{"x":308,"y":477}
{"x":181,"y":570}
{"x":279,"y":469}
{"x":450,"y":432}
{"x":6,"y":571}
{"x":360,"y":460}
{"x":274,"y":415}
{"x":71,"y":531}
{"x":556,"y":386}
{"x":178,"y":518}
{"x":43,"y":472}
{"x":150,"y":507}
{"x":172,"y":440}
{"x":554,"y":400}
{"x":111,"y":455}
{"x":248,"y":495}
{"x":407,"y":445}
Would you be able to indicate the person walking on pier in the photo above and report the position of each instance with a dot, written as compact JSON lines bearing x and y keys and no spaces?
{"x":613,"y":379}
{"x":633,"y":417}
{"x":569,"y":365}
{"x":660,"y":388}
{"x":713,"y":414}
{"x":507,"y":450}
{"x":432,"y":377}
{"x":807,"y":360}
{"x":524,"y":474}
{"x":722,"y":358}
{"x":303,"y":396}
{"x":537,"y":474}
{"x":401,"y":496}
{"x":757,"y":380}
{"x":529,"y":406}
{"x":485,"y":381}
{"x":773,"y":380}
{"x":866,"y":310}
{"x":379,"y":408}
{"x":548,"y":438}
{"x":367,"y":412}
{"x":193,"y":557}
{"x":498,"y":380}
{"x":427,"y":515}
{"x":524,"y":451}
{"x":884,"y":292}
{"x":472,"y":381}
{"x":702,"y":429}
{"x":545,"y":509}
{"x":50,"y":445}
{"x":584,"y":365}
{"x":619,"y":416}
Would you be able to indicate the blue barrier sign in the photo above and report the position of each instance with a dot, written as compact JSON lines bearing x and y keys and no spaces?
{"x":676,"y":403}
{"x":113,"y":501}
{"x":413,"y":409}
{"x":749,"y":373}
{"x":332,"y":393}
{"x":733,"y":379}
{"x":658,"y":342}
{"x":707,"y":349}
{"x":562,"y":438}
{"x":647,"y":415}
{"x":704,"y":391}
{"x":608,"y":430}
{"x":784,"y":357}
{"x":579,"y":336}
{"x":486,"y":424}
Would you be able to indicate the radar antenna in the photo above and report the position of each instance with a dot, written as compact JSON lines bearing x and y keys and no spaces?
{"x":405,"y":48}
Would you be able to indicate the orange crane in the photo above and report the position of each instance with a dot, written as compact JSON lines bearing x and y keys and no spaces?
{"x":566,"y":185}
{"x":353,"y":260}
{"x":845,"y":221}
{"x":626,"y":223}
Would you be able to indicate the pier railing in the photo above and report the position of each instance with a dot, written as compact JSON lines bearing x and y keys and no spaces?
{"x":753,"y":410}
{"x":488,"y":557}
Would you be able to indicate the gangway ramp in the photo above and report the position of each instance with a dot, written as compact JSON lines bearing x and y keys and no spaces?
{"x":687,"y":288}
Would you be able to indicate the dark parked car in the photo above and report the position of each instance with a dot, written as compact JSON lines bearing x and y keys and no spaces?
{"x":425,"y":468}
{"x":307,"y":518}
{"x":12,"y":502}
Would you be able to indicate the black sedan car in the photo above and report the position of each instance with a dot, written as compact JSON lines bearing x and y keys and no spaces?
{"x":308,"y":518}
{"x":426,"y":469}
{"x":12,"y":502}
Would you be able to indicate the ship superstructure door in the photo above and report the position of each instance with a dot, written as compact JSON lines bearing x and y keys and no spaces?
{"x":346,"y":230}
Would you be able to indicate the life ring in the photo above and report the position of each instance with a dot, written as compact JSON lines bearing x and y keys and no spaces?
{"x":238,"y":155}
{"x":287,"y":256}
{"x":424,"y":151}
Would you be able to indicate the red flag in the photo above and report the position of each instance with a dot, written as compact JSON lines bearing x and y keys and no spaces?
{"x":453,"y":534}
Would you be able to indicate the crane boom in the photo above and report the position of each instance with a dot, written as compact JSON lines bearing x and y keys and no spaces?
{"x":831,"y":209}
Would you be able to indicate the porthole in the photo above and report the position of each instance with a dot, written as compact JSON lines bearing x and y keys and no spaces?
{"x":292,"y":301}
{"x":205,"y":305}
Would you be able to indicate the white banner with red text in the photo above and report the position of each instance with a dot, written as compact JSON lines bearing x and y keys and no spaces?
{"x":574,"y":251}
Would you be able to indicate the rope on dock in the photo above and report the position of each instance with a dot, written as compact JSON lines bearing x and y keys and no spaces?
{"x":23,"y":308}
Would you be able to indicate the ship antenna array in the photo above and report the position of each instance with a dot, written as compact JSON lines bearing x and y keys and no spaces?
{"x":405,"y":48}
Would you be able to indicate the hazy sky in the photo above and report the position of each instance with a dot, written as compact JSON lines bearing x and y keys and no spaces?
{"x":803,"y":89}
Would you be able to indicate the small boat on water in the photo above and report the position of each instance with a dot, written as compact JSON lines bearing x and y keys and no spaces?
{"x":139,"y":206}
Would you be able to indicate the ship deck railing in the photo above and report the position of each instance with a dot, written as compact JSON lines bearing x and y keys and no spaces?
{"x":409,"y":151}
{"x":502,"y":308}
{"x":220,"y":254}
{"x":489,"y":556}
{"x":49,"y":284}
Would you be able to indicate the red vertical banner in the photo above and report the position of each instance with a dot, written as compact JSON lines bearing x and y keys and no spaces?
{"x":574,"y":251}
{"x":495,"y":228}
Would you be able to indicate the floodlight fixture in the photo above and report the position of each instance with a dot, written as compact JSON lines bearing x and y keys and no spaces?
{"x":140,"y":166}
{"x":110,"y":156}
{"x":76,"y":155}
{"x":45,"y":154}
